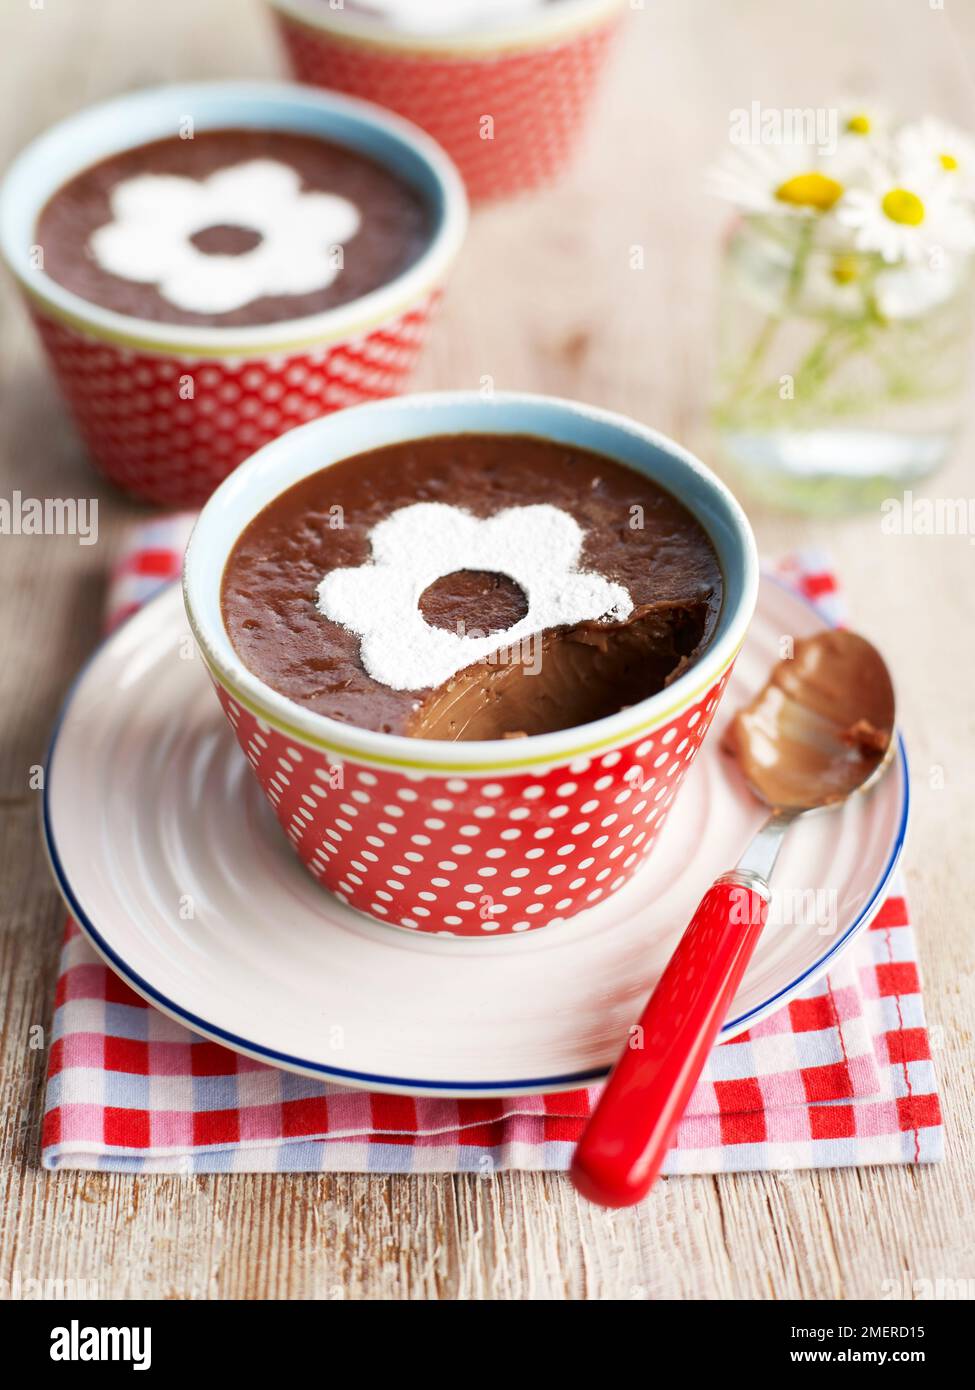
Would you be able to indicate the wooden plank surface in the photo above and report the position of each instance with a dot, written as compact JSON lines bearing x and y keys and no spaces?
{"x":543,"y":300}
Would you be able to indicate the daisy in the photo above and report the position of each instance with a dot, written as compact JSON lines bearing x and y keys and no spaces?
{"x":795,"y":179}
{"x":863,"y":121}
{"x":935,"y":148}
{"x":904,"y":218}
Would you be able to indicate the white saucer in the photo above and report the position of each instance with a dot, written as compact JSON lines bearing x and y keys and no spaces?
{"x":171,"y":861}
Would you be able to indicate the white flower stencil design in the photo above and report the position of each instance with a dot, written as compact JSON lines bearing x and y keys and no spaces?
{"x":157,"y":215}
{"x":536,"y":546}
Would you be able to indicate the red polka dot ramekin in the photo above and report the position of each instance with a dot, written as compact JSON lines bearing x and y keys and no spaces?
{"x":507,"y":103}
{"x":167,"y":411}
{"x":485,"y":838}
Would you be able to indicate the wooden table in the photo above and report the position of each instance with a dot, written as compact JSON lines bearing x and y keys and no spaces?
{"x":544,"y":300}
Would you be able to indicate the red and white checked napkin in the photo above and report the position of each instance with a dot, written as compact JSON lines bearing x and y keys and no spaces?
{"x":842,"y":1075}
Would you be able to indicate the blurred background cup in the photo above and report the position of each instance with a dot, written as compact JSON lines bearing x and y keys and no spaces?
{"x":507,"y":98}
{"x":168,"y":410}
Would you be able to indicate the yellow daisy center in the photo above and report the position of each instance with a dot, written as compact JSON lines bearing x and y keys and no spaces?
{"x":845,"y":270}
{"x":903,"y":206}
{"x":859,"y":125}
{"x":948,"y":161}
{"x":812,"y":190}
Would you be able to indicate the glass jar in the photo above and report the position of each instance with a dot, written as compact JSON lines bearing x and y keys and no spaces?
{"x":840,"y":378}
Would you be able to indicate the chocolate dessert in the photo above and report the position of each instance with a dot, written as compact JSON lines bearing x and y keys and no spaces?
{"x":232,"y":228}
{"x":472,"y":587}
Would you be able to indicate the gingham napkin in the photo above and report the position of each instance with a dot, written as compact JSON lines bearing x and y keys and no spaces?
{"x":842,"y":1075}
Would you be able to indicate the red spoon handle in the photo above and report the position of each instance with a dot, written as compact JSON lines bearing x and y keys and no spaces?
{"x":627,"y":1138}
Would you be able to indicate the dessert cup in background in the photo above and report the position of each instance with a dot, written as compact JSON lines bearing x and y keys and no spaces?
{"x":508,"y":100}
{"x":470,"y":838}
{"x":167,"y":410}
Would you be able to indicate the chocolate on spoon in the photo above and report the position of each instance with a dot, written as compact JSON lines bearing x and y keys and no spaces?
{"x":821,"y":729}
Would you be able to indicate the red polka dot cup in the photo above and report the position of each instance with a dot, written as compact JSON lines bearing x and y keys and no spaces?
{"x":485,"y":838}
{"x":168,"y":410}
{"x":508,"y":102}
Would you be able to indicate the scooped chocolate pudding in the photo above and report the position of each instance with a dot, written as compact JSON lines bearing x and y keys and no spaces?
{"x":472,"y":587}
{"x":232,"y":228}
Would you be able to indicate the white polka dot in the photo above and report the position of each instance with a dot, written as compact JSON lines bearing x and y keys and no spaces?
{"x":567,"y":789}
{"x":456,"y":784}
{"x":510,"y":834}
{"x":366,"y":778}
{"x":519,"y":813}
{"x":611,"y":759}
{"x":406,"y":794}
{"x":434,"y":824}
{"x":588,"y":807}
{"x":470,"y":831}
{"x":447,"y":864}
{"x":601,"y":783}
{"x":669,"y":736}
{"x":442,"y":804}
{"x":532,"y":793}
{"x":492,"y":789}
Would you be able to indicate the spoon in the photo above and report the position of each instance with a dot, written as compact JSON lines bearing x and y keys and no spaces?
{"x":821,"y":729}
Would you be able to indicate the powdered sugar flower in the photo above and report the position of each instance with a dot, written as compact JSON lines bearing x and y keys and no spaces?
{"x":156,"y":217}
{"x":536,"y":546}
